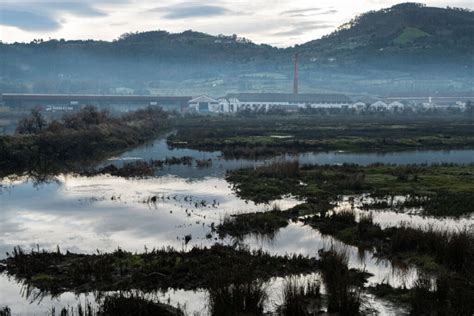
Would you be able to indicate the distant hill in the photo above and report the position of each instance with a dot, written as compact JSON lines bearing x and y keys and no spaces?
{"x":406,"y":48}
{"x":408,"y":32}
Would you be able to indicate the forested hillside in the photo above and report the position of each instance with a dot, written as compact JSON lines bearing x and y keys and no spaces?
{"x":406,"y":48}
{"x":407,"y":33}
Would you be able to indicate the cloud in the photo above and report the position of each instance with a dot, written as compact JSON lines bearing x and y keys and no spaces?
{"x":28,"y":21}
{"x":300,"y":11}
{"x":43,"y":15}
{"x":191,"y":10}
{"x":308,"y":12}
{"x":301,"y":28}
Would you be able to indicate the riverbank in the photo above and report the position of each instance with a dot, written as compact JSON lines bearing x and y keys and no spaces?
{"x":80,"y":138}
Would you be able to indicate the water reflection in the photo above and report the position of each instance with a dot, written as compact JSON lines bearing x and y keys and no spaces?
{"x":159,"y":150}
{"x":393,"y":216}
{"x":298,"y":238}
{"x":82,"y":214}
{"x":268,"y":296}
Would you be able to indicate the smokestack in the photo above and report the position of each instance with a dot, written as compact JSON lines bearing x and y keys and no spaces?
{"x":295,"y":77}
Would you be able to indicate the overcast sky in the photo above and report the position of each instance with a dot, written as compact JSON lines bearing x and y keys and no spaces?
{"x":276,"y":22}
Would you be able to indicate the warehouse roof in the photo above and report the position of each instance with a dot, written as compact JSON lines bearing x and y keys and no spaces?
{"x":289,"y":97}
{"x":85,"y":97}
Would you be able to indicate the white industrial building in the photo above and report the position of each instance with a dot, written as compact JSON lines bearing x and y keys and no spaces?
{"x":396,"y":105}
{"x":204,"y":104}
{"x":358,"y":106}
{"x":236,"y":102}
{"x":379,"y":105}
{"x":260,"y":101}
{"x":266,"y":101}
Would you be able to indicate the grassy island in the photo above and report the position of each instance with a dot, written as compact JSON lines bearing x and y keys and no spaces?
{"x":271,"y":135}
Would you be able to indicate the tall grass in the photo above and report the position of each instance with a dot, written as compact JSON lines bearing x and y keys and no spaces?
{"x":300,"y":298}
{"x":5,"y":311}
{"x":238,"y":299}
{"x":120,"y":305}
{"x":452,"y":249}
{"x":280,"y":169}
{"x":448,"y":295}
{"x":343,"y":295}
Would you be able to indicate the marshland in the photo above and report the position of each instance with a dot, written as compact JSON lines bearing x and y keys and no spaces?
{"x":174,"y":217}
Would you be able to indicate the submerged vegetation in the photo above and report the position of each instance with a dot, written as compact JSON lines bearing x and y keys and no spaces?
{"x":263,"y":136}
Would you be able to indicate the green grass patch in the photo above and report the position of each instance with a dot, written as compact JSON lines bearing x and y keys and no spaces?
{"x":410,"y":34}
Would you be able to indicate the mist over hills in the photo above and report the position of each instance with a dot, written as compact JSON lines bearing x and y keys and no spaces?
{"x":406,"y":49}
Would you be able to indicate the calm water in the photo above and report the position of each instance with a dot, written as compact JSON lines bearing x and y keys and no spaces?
{"x":159,"y":150}
{"x":83,"y":214}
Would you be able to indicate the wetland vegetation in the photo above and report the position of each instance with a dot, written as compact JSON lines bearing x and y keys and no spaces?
{"x":445,"y":256}
{"x":444,"y":189}
{"x":234,"y":278}
{"x":271,"y":135}
{"x":86,"y":136}
{"x":58,"y":272}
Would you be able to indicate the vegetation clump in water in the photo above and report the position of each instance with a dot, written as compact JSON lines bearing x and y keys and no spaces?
{"x":269,"y":222}
{"x":301,"y":298}
{"x":343,"y":296}
{"x":120,"y":304}
{"x":247,"y":298}
{"x":58,"y":272}
{"x":441,"y":189}
{"x":264,"y":223}
{"x":135,"y":305}
{"x":429,"y":248}
{"x":447,"y":295}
